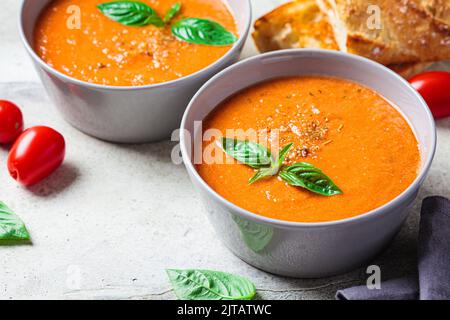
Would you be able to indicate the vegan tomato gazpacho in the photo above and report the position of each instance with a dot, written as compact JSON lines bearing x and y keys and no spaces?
{"x":342,"y":149}
{"x":133,"y":43}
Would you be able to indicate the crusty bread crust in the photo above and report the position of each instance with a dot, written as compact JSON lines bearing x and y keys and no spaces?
{"x":407,"y":70}
{"x":298,"y":24}
{"x":301,"y":24}
{"x":410,"y":30}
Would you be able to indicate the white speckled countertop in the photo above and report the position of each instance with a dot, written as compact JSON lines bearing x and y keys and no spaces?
{"x":109,"y":222}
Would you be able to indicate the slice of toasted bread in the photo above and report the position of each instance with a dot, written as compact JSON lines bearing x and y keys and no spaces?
{"x":298,"y":24}
{"x":409,"y":30}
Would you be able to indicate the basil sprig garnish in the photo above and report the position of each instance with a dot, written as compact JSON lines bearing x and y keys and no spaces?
{"x":307,"y":176}
{"x":172,"y":12}
{"x":275,"y":165}
{"x":302,"y":174}
{"x":202,"y":31}
{"x":131,"y":13}
{"x":191,"y":30}
{"x":12,"y":229}
{"x":210,"y":285}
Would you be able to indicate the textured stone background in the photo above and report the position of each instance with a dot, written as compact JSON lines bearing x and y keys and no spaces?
{"x":109,"y":222}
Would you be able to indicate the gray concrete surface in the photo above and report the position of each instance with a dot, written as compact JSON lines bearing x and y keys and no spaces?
{"x":107,"y":224}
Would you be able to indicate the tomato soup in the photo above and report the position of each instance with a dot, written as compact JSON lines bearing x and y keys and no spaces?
{"x":103,"y":51}
{"x":350,"y":132}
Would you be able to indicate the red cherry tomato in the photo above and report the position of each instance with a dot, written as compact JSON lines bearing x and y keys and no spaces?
{"x":11,"y":121}
{"x":434,"y":87}
{"x":36,"y":154}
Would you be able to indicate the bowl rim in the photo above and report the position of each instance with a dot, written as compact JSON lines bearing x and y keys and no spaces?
{"x":426,"y":163}
{"x":171,"y":83}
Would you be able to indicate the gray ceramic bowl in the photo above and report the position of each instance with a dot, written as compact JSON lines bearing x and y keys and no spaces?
{"x":126,"y":114}
{"x":308,"y":249}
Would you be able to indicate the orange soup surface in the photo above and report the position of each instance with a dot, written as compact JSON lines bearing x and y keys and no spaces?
{"x":350,"y":132}
{"x":106,"y":52}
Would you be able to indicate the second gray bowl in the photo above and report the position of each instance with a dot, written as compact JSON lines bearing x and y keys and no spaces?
{"x":126,"y":114}
{"x":307,"y":249}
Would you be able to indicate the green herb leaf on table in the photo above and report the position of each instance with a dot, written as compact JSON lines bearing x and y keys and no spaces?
{"x":210,"y":285}
{"x":247,"y":152}
{"x":12,"y":229}
{"x":131,"y":13}
{"x":202,"y":31}
{"x":172,"y":12}
{"x":307,"y":176}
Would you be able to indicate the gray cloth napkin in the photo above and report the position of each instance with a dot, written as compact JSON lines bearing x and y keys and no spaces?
{"x":433,"y":282}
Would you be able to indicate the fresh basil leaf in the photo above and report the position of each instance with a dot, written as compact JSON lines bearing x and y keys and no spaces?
{"x":247,"y":152}
{"x":307,"y":176}
{"x":11,"y":227}
{"x":172,"y":12}
{"x":283,"y":152}
{"x":256,"y":236}
{"x":131,"y":13}
{"x":202,"y":31}
{"x":210,"y":285}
